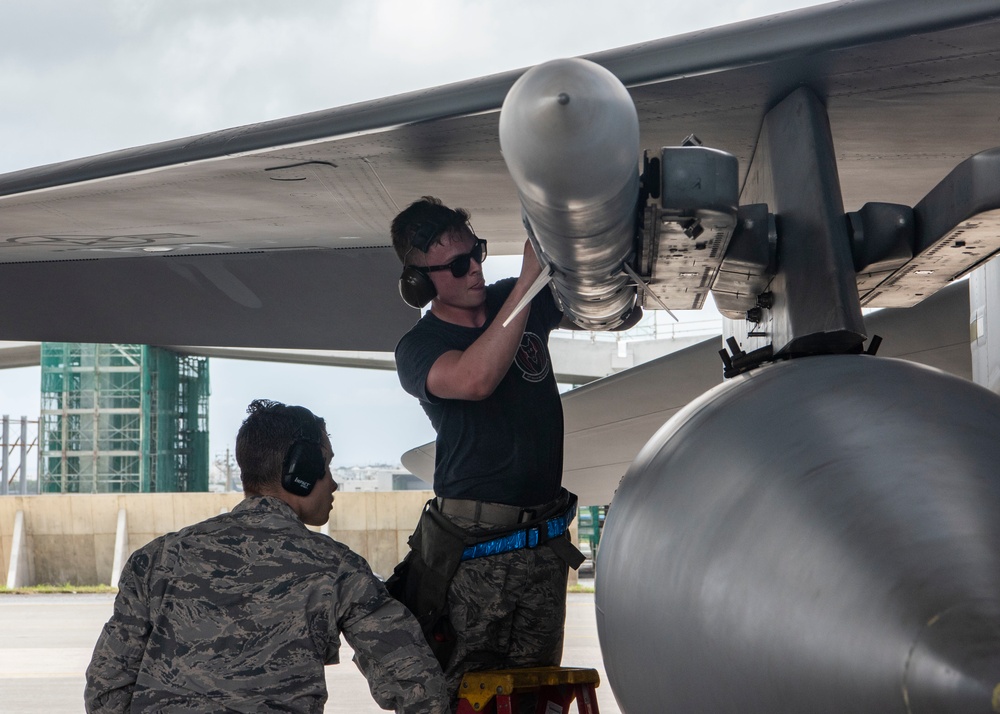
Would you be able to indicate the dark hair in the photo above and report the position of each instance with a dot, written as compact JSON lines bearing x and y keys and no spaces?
{"x":422,"y":222}
{"x":264,"y":439}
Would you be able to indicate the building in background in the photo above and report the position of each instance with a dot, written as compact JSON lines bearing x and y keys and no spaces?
{"x":121,"y":418}
{"x":382,"y":477}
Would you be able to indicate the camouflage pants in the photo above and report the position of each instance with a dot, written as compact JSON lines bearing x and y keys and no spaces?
{"x":508,"y":610}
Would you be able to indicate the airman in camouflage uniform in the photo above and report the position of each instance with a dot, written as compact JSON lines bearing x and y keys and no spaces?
{"x":241,"y":612}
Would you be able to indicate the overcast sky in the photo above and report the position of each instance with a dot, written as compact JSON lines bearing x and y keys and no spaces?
{"x":80,"y":78}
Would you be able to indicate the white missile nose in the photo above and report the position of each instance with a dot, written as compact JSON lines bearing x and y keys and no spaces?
{"x":571,"y":126}
{"x":569,"y":134}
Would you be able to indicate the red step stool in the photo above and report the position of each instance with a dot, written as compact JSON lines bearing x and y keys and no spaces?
{"x":497,"y":691}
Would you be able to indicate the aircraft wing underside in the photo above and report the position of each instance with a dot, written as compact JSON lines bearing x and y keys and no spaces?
{"x":276,"y":234}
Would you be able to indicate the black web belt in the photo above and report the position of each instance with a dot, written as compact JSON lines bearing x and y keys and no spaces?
{"x":486,"y":513}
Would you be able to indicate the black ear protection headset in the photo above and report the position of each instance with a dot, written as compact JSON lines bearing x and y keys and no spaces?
{"x":304,"y":463}
{"x":415,"y":286}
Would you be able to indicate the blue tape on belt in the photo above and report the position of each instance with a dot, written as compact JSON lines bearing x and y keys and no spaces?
{"x":525,"y":538}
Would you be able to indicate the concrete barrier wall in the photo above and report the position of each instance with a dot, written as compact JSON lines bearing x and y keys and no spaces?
{"x":71,"y":538}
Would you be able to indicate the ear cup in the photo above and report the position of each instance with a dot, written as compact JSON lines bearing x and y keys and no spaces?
{"x":416,"y":287}
{"x":304,"y":465}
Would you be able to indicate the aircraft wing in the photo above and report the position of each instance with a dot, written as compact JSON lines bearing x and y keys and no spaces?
{"x":275,"y":234}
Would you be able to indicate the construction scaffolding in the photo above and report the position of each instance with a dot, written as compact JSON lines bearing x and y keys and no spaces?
{"x":14,"y":479}
{"x":122,"y":419}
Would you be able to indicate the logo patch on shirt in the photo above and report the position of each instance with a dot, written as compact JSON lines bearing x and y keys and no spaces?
{"x":531,"y":358}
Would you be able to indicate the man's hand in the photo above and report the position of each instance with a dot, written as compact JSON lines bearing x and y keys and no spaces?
{"x":531,"y":267}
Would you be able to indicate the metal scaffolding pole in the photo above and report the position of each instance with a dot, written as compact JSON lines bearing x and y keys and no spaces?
{"x":5,"y":466}
{"x":24,"y":456}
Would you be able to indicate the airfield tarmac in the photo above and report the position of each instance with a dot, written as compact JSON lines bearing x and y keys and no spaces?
{"x":46,"y":642}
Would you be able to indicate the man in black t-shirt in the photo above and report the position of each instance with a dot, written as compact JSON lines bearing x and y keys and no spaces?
{"x":491,"y":396}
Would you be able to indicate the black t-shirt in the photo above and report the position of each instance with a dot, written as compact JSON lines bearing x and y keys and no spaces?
{"x":508,"y":447}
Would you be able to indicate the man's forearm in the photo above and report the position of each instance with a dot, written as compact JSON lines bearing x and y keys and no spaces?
{"x":402,"y":672}
{"x":110,"y":677}
{"x":474,"y":373}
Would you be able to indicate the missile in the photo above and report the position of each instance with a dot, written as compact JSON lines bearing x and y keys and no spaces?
{"x":569,"y":134}
{"x":819,"y":536}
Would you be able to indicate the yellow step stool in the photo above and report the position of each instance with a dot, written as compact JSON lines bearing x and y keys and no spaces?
{"x":497,"y":691}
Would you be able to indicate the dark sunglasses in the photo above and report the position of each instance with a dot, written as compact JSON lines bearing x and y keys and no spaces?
{"x":459,"y":267}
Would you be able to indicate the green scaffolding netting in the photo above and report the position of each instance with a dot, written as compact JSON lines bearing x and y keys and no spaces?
{"x":121,"y":418}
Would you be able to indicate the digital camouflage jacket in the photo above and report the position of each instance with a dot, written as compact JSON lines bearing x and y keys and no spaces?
{"x":241,"y":612}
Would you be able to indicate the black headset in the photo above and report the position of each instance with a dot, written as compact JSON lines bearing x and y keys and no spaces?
{"x":304,"y":463}
{"x":416,"y":287}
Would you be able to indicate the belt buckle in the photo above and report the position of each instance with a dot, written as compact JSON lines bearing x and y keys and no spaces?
{"x":526,"y":514}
